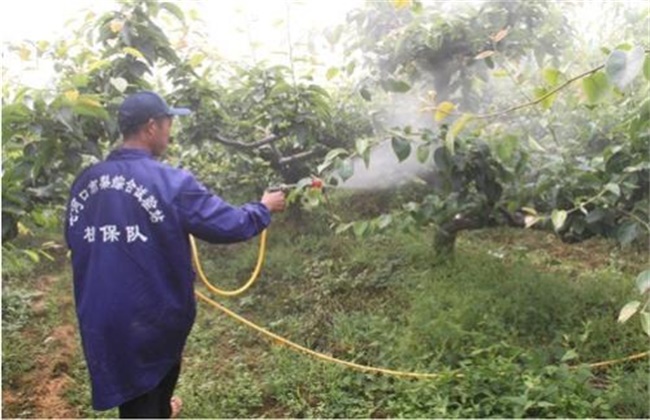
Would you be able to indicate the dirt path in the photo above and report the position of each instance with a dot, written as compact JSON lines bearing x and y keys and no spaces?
{"x":40,"y":392}
{"x":51,"y":376}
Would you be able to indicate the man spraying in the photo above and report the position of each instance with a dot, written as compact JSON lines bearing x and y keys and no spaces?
{"x":127,"y":224}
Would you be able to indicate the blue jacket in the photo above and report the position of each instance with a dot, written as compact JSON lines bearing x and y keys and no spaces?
{"x":127,"y":225}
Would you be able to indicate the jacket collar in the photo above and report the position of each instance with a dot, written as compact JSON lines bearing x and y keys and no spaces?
{"x":123,"y":153}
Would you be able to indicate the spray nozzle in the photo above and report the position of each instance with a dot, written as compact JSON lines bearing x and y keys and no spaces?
{"x":315,"y":183}
{"x":281,"y":187}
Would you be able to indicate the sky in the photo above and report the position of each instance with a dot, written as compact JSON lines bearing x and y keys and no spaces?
{"x":19,"y":21}
{"x":224,"y":21}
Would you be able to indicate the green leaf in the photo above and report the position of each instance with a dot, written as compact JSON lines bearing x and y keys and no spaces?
{"x":401,"y":147}
{"x":90,"y":107}
{"x":311,"y":197}
{"x":14,"y":113}
{"x":455,"y":129}
{"x":46,"y":255}
{"x":119,"y":83}
{"x":535,"y":144}
{"x":334,"y":153}
{"x":71,"y":95}
{"x":365,"y":94}
{"x":318,"y":91}
{"x":392,"y":85}
{"x":558,"y":217}
{"x":506,"y":147}
{"x":197,"y":59}
{"x":615,"y":64}
{"x":349,"y":69}
{"x":384,"y":220}
{"x":281,"y":88}
{"x":401,"y":4}
{"x":345,"y":169}
{"x":483,"y":55}
{"x":646,"y":68}
{"x":334,"y":35}
{"x":363,"y":149}
{"x":132,"y":51}
{"x":622,"y":67}
{"x":332,"y":72}
{"x":627,"y":233}
{"x":80,"y":80}
{"x":360,"y":228}
{"x":499,"y":35}
{"x":32,"y":255}
{"x":423,"y":152}
{"x":530,"y":210}
{"x":643,"y":282}
{"x":174,"y":10}
{"x":342,"y":228}
{"x":645,"y":322}
{"x":551,"y":76}
{"x":595,"y":87}
{"x":99,"y":64}
{"x":569,"y":355}
{"x":530,"y":220}
{"x":443,"y":110}
{"x":628,"y":310}
{"x":547,"y":102}
{"x":595,"y":215}
{"x":361,"y":145}
{"x":639,"y":167}
{"x":614,"y":189}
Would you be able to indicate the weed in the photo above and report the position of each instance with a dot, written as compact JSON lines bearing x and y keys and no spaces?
{"x":506,"y":321}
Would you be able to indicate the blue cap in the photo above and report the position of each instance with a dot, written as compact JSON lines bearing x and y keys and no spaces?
{"x":138,"y":108}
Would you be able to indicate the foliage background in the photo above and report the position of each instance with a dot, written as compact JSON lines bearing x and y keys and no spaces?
{"x":510,"y":118}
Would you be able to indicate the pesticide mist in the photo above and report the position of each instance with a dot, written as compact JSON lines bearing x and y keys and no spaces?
{"x":384,"y":170}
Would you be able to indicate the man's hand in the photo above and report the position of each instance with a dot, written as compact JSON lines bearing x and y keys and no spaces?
{"x":274,"y":201}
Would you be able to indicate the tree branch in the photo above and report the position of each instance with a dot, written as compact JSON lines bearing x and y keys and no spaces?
{"x":541,"y":98}
{"x":642,"y":222}
{"x":270,"y":139}
{"x":299,"y":156}
{"x":527,"y":104}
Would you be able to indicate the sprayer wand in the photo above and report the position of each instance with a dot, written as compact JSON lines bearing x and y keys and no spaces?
{"x":316,"y":183}
{"x":281,"y":187}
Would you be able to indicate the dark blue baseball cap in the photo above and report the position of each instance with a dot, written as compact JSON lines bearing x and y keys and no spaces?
{"x":140,"y":107}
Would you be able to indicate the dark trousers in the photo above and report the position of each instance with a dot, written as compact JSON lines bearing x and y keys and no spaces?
{"x":155,"y":403}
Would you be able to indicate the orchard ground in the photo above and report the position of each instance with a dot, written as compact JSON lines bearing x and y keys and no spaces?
{"x":513,"y":311}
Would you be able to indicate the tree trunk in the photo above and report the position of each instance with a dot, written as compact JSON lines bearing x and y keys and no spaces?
{"x":444,"y":240}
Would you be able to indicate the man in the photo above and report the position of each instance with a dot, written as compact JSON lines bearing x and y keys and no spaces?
{"x":127,"y":225}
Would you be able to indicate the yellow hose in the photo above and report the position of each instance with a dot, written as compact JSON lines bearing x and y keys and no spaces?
{"x":256,"y":272}
{"x":322,"y":356}
{"x":316,"y":354}
{"x":277,"y":338}
{"x":607,"y":363}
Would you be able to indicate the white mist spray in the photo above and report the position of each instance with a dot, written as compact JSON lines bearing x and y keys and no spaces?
{"x":385,"y":171}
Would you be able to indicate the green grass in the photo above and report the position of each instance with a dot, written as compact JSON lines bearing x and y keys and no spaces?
{"x":505,"y":322}
{"x":513,"y":312}
{"x":30,"y":311}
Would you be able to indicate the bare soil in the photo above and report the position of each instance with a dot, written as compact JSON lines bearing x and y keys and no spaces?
{"x":40,"y":393}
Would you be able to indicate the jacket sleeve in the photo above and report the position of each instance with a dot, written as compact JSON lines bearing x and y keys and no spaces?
{"x":212,"y":219}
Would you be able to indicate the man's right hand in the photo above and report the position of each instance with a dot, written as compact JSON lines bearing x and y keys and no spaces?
{"x":274,"y":201}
